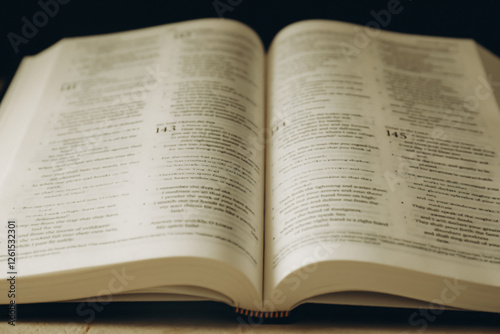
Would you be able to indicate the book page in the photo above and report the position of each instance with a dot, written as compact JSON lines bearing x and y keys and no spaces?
{"x":384,"y":149}
{"x":141,"y":148}
{"x":30,"y":79}
{"x":491,"y":64}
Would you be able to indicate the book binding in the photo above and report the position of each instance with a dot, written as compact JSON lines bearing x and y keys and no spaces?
{"x":262,"y":314}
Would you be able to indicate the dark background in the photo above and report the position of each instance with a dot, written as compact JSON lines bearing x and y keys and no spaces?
{"x":211,"y":317}
{"x":472,"y":19}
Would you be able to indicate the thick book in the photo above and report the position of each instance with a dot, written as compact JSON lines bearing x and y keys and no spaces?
{"x":346,"y":165}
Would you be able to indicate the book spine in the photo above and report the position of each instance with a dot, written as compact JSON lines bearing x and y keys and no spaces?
{"x":261,"y":314}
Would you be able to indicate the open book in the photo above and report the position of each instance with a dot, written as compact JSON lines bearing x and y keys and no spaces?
{"x":182,"y":162}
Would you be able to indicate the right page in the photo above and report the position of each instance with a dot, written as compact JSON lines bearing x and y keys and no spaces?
{"x":383,"y":167}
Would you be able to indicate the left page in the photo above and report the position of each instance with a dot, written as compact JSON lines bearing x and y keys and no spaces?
{"x":141,"y":148}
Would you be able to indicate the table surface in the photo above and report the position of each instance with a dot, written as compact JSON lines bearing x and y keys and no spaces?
{"x":209,"y":317}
